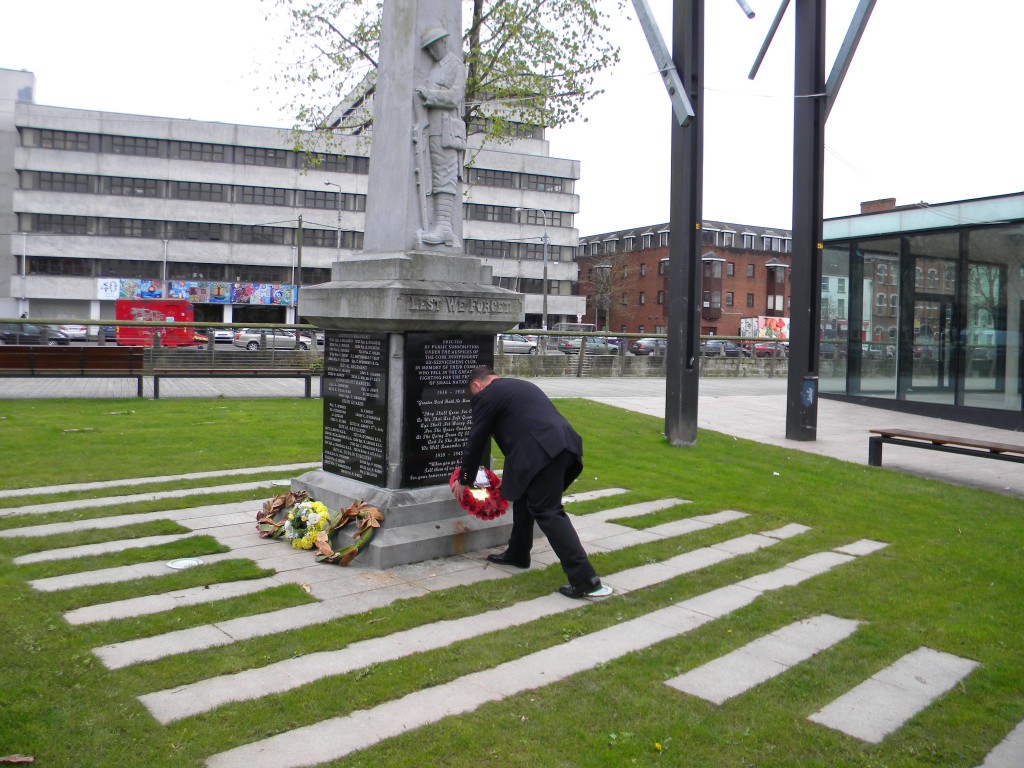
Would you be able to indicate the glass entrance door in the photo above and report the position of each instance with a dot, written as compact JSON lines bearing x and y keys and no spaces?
{"x":933,"y":378}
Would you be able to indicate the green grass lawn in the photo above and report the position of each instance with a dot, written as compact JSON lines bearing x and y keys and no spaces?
{"x":951,"y":579}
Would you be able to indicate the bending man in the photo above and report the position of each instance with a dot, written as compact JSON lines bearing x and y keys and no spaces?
{"x":543,"y":455}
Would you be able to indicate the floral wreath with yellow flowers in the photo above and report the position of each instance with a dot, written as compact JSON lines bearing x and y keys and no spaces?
{"x":369,"y":519}
{"x":304,"y":521}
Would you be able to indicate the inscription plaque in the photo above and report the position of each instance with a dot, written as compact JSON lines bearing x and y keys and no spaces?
{"x":437,"y":408}
{"x":355,"y":405}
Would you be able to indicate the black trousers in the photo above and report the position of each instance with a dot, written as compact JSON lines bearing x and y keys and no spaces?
{"x":542,"y":502}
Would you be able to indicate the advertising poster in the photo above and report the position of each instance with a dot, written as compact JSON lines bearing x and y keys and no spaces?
{"x":200,"y":292}
{"x":262,"y":293}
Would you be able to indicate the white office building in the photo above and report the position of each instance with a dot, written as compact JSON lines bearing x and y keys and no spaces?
{"x":96,"y":206}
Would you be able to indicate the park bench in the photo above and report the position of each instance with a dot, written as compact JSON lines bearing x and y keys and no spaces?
{"x":103,"y":361}
{"x":963,"y":446}
{"x":238,"y":373}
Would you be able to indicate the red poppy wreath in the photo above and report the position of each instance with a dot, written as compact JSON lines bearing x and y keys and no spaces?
{"x":485,"y":503}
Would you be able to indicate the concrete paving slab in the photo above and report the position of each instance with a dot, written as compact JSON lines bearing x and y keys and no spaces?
{"x":1009,"y":753}
{"x":95,"y":524}
{"x":744,"y":545}
{"x":628,"y":538}
{"x":167,"y":601}
{"x":49,"y":490}
{"x":722,"y":601}
{"x":820,"y":562}
{"x":884,"y":702}
{"x":719,"y":518}
{"x":273,"y":622}
{"x":120,"y":655}
{"x":767,"y":657}
{"x":862,"y":547}
{"x":639,"y":577}
{"x":678,"y":528}
{"x":789,"y":531}
{"x":116,"y":575}
{"x":602,"y":493}
{"x":622,"y":513}
{"x":726,"y":677}
{"x":780,"y":577}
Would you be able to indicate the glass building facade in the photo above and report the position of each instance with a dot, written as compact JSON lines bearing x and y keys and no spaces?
{"x":921,"y":310}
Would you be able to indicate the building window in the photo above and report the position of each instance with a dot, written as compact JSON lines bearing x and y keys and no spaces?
{"x":661,"y":297}
{"x":663,"y":239}
{"x":824,"y":285}
{"x":642,"y":299}
{"x":748,"y":240}
{"x":119,"y":185}
{"x":841,"y":309}
{"x":750,"y":270}
{"x":78,"y":142}
{"x":645,"y":241}
{"x":544,"y":183}
{"x":750,"y":299}
{"x":131,"y":228}
{"x":274,"y":235}
{"x":841,"y":285}
{"x":728,"y":298}
{"x":630,"y":243}
{"x":881,"y":300}
{"x":135,"y":145}
{"x":643,"y":270}
{"x":340,"y":164}
{"x":485,"y":177}
{"x":894,"y":301}
{"x":728,"y":239}
{"x":197,"y":230}
{"x":196,"y":150}
{"x":730,"y":269}
{"x":200,"y":190}
{"x":62,"y":182}
{"x":662,"y":266}
{"x":933,"y":279}
{"x":275,"y":158}
{"x":61,"y":225}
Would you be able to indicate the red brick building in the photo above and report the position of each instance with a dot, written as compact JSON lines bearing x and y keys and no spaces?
{"x":624,"y":276}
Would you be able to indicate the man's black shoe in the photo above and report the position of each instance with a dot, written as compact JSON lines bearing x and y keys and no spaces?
{"x":504,"y":559}
{"x":594,"y":589}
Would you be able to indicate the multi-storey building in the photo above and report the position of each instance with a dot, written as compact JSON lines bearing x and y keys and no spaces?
{"x":95,"y":206}
{"x":624,"y":277}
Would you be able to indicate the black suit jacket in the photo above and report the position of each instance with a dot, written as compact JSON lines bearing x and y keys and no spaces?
{"x":528,"y":429}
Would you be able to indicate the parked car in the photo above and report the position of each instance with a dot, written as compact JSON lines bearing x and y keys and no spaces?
{"x":223,"y":335}
{"x":15,"y":333}
{"x":878,"y":351}
{"x":276,"y":338}
{"x":55,"y":337}
{"x":596,"y":345}
{"x":723,"y":348}
{"x":649,"y":346}
{"x":829,"y":350}
{"x":76,"y":332}
{"x":771,"y":349}
{"x":516,"y":344}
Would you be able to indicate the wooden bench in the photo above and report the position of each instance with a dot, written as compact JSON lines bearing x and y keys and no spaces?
{"x":236,"y":372}
{"x":103,"y":361}
{"x":963,"y":446}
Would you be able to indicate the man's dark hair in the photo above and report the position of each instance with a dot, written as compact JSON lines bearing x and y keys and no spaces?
{"x":480,"y":373}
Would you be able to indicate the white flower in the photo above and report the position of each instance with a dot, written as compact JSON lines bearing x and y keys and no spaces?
{"x":312,"y":518}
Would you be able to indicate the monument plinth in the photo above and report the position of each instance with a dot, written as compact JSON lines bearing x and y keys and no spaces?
{"x":408,"y":318}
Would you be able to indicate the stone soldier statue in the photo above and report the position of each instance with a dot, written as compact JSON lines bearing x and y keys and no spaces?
{"x":443,"y":97}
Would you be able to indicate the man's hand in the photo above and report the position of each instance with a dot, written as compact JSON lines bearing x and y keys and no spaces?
{"x":459,"y":490}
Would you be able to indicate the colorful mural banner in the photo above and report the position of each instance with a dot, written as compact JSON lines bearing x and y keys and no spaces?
{"x":200,"y":292}
{"x":140,"y":289}
{"x":263,"y":293}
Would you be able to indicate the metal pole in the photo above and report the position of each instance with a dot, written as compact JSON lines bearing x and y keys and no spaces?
{"x":164,"y":287}
{"x":809,"y":111}
{"x":682,"y":362}
{"x":24,"y":273}
{"x":298,"y":267}
{"x":544,"y":298}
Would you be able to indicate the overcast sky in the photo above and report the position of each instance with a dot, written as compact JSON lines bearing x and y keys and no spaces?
{"x":930,"y":111}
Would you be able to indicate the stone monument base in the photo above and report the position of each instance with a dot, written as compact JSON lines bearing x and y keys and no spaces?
{"x":419,"y":524}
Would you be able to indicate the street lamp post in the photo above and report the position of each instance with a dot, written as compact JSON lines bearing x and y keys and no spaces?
{"x":544,"y":283}
{"x":334,"y":184}
{"x":164,"y":288}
